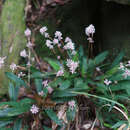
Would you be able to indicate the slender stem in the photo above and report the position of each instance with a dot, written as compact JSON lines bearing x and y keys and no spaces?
{"x":106,"y":99}
{"x":29,"y":62}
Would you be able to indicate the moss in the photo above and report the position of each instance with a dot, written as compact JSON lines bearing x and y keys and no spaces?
{"x":12,"y":26}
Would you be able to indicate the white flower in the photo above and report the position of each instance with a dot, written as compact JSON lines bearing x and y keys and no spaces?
{"x":58,"y":57}
{"x":90,"y":30}
{"x":126,"y":73}
{"x":41,"y":93}
{"x":67,"y":39}
{"x":122,"y":67}
{"x":32,"y":59}
{"x":2,"y":61}
{"x":29,"y":45}
{"x":98,"y":69}
{"x":46,"y":35}
{"x":59,"y":45}
{"x":90,"y":40}
{"x":60,"y":72}
{"x":43,"y":30}
{"x":115,"y":82}
{"x":49,"y":44}
{"x":21,"y":74}
{"x":58,"y":35}
{"x":13,"y":66}
{"x":128,"y":64}
{"x":11,"y":49}
{"x":69,"y":45}
{"x":28,"y":64}
{"x":45,"y":83}
{"x":73,"y":53}
{"x":55,"y":41}
{"x":71,"y":104}
{"x":72,"y":65}
{"x":50,"y":89}
{"x":34,"y":109}
{"x":27,"y":32}
{"x":107,"y":82}
{"x":23,"y":53}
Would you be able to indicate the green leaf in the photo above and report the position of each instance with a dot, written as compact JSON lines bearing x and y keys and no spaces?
{"x":53,"y":116}
{"x":102,"y":98}
{"x":14,"y":78}
{"x":117,"y":60}
{"x":118,"y":124}
{"x":46,"y":128}
{"x":84,"y":66}
{"x":4,"y":123}
{"x":71,"y":114}
{"x":4,"y":112}
{"x":55,"y":65}
{"x":65,"y":84}
{"x":78,"y":83}
{"x":122,"y":85}
{"x":63,"y":93}
{"x":62,"y":99}
{"x":75,"y":57}
{"x":110,"y":72}
{"x":11,"y":103}
{"x":81,"y":52}
{"x":56,"y":82}
{"x":16,"y":109}
{"x":45,"y":91}
{"x":18,"y":104}
{"x":100,"y":58}
{"x":13,"y":92}
{"x":42,"y":75}
{"x":101,"y":88}
{"x":18,"y":124}
{"x":39,"y":86}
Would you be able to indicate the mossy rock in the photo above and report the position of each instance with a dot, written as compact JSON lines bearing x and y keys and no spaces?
{"x":12,"y":26}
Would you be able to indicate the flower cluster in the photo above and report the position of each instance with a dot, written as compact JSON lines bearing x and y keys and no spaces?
{"x":23,"y":53}
{"x":71,"y":104}
{"x":49,"y":44}
{"x":13,"y":66}
{"x":90,"y":30}
{"x":21,"y":74}
{"x":69,"y":46}
{"x":72,"y":65}
{"x":34,"y":109}
{"x":45,"y":84}
{"x":107,"y":82}
{"x":2,"y":61}
{"x":60,"y":72}
{"x":58,"y":35}
{"x":27,"y":32}
{"x":122,"y":67}
{"x":126,"y":73}
{"x":41,"y":93}
{"x":43,"y":31}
